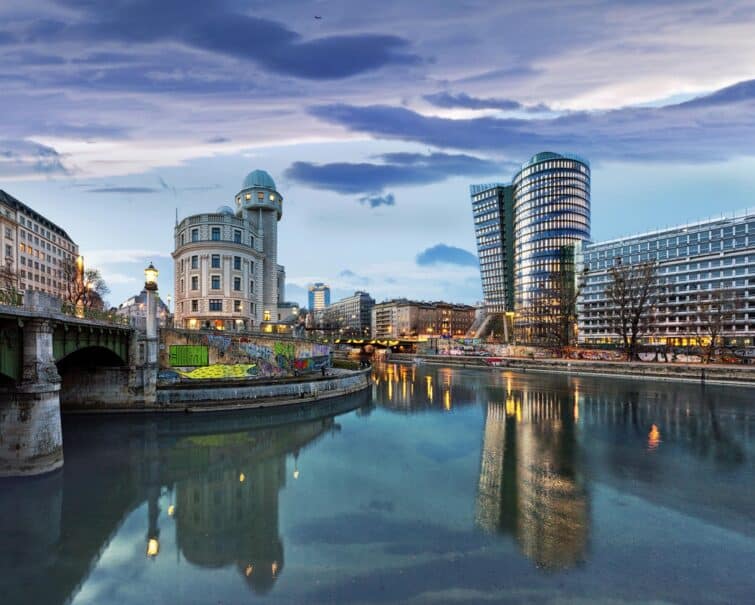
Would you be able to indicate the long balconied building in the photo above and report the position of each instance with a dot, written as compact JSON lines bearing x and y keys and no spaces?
{"x":705,"y":275}
{"x":226,"y":271}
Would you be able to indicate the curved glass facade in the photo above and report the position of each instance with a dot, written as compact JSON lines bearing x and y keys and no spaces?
{"x":551,"y":216}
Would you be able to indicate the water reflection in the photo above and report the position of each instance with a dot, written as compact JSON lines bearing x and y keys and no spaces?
{"x":409,"y":388}
{"x":529,"y":482}
{"x":559,"y":472}
{"x":226,"y":506}
{"x":221,"y":475}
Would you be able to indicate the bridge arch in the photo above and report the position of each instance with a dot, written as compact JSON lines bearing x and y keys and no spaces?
{"x":93,"y":376}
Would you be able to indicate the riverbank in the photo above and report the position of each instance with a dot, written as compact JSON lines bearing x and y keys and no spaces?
{"x":225,"y":395}
{"x":709,"y":373}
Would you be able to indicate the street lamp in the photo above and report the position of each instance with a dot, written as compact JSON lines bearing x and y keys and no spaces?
{"x":150,"y":278}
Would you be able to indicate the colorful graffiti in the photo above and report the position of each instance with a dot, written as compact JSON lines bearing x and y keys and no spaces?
{"x":218,"y":371}
{"x":319,"y":350}
{"x":221,"y":343}
{"x":285,"y":349}
{"x":304,"y":364}
{"x":248,"y":356}
{"x":256,"y":350}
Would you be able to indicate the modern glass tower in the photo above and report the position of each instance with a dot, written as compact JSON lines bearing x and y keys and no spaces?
{"x":527,"y":233}
{"x":493,"y":209}
{"x":551,"y":218}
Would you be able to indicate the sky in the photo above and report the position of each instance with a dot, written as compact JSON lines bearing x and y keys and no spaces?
{"x":373,"y":119}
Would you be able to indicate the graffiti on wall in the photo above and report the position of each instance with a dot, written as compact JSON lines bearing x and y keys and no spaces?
{"x":221,"y":343}
{"x":219,"y":371}
{"x":219,"y":356}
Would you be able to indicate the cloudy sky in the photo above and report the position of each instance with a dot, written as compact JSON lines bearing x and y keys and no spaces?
{"x":373,"y":119}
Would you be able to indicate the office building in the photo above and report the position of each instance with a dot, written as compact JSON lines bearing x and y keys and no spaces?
{"x":526,"y":236}
{"x":350,"y":316}
{"x":402,"y":318}
{"x":493,"y":211}
{"x":319,"y":296}
{"x":226,"y":271}
{"x":37,"y":254}
{"x":697,"y":264}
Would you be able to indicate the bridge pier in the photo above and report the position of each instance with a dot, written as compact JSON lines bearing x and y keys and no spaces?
{"x":31,"y":438}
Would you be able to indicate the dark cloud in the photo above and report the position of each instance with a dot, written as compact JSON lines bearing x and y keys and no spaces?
{"x":20,"y":158}
{"x":462,"y":100}
{"x":395,"y":169}
{"x":375,"y":201}
{"x":350,"y":276}
{"x":441,"y":253}
{"x":124,"y":190}
{"x":220,"y":28}
{"x":715,"y":127}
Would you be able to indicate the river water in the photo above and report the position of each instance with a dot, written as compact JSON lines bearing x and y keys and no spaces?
{"x":439,"y":486}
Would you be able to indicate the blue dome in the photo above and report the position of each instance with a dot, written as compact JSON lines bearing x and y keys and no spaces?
{"x":225,"y":210}
{"x":258,"y":178}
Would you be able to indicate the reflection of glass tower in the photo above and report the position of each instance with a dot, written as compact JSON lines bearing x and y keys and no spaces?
{"x":227,"y":509}
{"x":528,"y":481}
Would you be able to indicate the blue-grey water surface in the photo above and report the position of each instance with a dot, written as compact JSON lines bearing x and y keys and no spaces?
{"x":438,"y":486}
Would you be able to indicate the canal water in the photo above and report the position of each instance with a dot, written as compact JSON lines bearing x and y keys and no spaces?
{"x":439,"y":486}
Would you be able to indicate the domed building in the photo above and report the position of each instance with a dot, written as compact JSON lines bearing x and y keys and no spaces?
{"x":227,"y":275}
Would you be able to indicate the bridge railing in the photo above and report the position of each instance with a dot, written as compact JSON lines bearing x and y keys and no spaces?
{"x":68,"y":308}
{"x":11,"y":297}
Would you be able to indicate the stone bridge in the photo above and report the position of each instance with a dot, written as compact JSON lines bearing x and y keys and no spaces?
{"x":46,"y":353}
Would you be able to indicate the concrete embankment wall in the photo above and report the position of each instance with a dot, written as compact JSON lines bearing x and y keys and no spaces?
{"x":109,"y":391}
{"x":232,"y":395}
{"x":739,"y":374}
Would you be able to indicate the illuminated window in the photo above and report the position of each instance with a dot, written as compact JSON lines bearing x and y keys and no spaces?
{"x":272,"y":197}
{"x":248,"y":196}
{"x":237,"y":306}
{"x":260,"y":195}
{"x":266,"y":316}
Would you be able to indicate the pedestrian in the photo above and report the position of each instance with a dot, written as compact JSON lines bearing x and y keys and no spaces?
{"x":323,"y":370}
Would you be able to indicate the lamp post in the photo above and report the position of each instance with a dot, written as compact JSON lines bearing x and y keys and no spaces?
{"x":150,"y":285}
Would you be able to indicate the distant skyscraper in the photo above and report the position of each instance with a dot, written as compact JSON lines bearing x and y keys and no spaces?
{"x":527,"y":233}
{"x":319,"y":296}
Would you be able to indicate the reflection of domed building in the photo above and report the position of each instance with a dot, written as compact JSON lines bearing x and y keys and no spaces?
{"x":226,"y":271}
{"x":227,"y":508}
{"x":529,"y":485}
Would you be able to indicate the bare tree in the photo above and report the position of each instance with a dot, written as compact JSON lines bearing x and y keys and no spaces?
{"x":83,"y":287}
{"x":631,"y":294}
{"x":8,"y":284}
{"x":714,"y":310}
